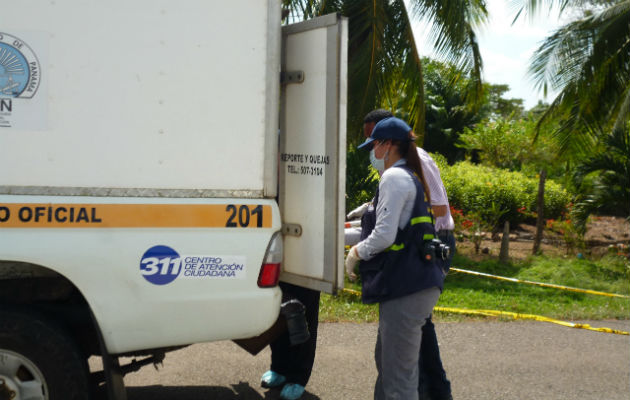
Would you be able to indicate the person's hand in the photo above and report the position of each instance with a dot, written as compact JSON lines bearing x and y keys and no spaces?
{"x":351,"y":261}
{"x":358,"y":212}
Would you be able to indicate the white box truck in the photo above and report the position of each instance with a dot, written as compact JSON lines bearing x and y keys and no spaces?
{"x":162,"y":162}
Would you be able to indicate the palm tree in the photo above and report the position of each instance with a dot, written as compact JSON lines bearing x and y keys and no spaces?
{"x":610,"y":171}
{"x":588,"y":62}
{"x":384,"y":67}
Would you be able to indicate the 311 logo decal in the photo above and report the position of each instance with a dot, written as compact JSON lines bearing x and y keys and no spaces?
{"x":160,"y":265}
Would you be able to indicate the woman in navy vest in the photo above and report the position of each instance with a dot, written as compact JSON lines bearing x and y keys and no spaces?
{"x":397,"y":259}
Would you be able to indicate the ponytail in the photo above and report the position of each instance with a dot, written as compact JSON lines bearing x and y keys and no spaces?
{"x":409,"y":152}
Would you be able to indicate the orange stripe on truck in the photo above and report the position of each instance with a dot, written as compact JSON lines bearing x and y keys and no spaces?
{"x":135,"y":216}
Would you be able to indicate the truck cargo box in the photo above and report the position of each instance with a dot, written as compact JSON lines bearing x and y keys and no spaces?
{"x":142,"y":94}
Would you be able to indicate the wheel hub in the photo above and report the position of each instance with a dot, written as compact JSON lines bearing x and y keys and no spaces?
{"x":20,"y":378}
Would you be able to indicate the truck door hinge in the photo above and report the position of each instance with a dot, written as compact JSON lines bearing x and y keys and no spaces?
{"x":287,"y":77}
{"x":292,"y":230}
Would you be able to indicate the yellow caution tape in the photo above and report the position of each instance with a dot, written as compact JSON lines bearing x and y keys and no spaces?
{"x":354,"y":292}
{"x":549,"y":285}
{"x":496,"y":313}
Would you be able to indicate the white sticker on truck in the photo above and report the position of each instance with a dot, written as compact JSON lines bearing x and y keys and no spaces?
{"x":214,"y":267}
{"x":20,"y":78}
{"x":161,"y":265}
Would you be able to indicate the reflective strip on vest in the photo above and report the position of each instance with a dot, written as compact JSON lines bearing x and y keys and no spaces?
{"x":395,"y":247}
{"x":419,"y":220}
{"x":428,"y":236}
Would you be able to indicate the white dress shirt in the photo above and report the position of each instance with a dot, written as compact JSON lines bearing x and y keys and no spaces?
{"x":437,"y":190}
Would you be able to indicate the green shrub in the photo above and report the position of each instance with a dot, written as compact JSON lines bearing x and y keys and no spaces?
{"x":511,"y":144}
{"x":499,"y":195}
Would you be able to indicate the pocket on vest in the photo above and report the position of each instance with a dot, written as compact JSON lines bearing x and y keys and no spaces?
{"x":373,"y":283}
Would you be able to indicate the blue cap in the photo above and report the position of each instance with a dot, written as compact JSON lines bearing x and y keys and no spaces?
{"x":389,"y":128}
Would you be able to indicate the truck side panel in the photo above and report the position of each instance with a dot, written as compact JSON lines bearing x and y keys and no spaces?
{"x":142,"y":94}
{"x":192,"y":279}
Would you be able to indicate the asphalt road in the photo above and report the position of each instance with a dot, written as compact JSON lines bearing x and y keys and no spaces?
{"x":483,"y":360}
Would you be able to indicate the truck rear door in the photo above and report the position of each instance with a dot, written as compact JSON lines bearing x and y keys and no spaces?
{"x":313,"y":151}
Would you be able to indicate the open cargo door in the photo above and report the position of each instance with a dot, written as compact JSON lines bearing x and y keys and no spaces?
{"x":312,"y":160}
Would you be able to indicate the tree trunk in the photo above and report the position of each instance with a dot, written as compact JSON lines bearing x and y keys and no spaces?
{"x":504,"y":255}
{"x":540,"y":209}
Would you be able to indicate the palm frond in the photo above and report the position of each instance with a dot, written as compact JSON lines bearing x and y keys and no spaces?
{"x":532,"y":8}
{"x":588,"y":60}
{"x":403,"y":82}
{"x":366,"y":56}
{"x":302,"y":10}
{"x":384,"y":67}
{"x":453,"y":35}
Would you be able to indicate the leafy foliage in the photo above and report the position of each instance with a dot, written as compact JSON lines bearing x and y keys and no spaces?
{"x":604,"y":178}
{"x":384,"y":68}
{"x":471,"y":226}
{"x":572,"y":235}
{"x":509,"y":144}
{"x":489,"y":191}
{"x":588,"y":61}
{"x":453,"y":25}
{"x":501,"y":143}
{"x":496,"y":106}
{"x":447,"y":112}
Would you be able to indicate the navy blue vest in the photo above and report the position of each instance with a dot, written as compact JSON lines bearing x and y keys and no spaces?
{"x":401,"y":269}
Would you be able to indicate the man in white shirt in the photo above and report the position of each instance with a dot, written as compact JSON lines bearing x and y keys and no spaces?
{"x":433,"y":384}
{"x":444,"y":223}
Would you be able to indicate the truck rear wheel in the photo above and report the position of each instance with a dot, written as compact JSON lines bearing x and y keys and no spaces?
{"x":38,"y":360}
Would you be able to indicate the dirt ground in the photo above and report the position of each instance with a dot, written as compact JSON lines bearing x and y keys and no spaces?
{"x":603,"y":235}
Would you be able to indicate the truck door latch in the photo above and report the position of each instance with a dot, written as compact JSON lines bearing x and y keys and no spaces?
{"x":287,"y":77}
{"x":291,"y":230}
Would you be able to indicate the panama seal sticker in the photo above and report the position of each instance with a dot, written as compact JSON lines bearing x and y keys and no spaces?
{"x":20,"y":72}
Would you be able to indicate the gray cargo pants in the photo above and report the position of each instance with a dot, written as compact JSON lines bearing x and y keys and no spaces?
{"x":398,"y":344}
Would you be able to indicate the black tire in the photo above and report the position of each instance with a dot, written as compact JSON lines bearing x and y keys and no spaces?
{"x":46,"y":354}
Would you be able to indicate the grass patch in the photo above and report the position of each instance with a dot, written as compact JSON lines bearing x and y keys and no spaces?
{"x":610,"y":274}
{"x":346,"y":307}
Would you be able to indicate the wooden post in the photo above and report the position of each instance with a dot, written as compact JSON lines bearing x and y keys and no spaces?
{"x":540,"y":209}
{"x":504,"y":255}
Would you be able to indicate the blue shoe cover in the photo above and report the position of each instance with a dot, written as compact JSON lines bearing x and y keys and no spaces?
{"x":272,"y":379}
{"x":292,"y":391}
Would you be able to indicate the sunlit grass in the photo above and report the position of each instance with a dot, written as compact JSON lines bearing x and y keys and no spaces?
{"x":610,"y":274}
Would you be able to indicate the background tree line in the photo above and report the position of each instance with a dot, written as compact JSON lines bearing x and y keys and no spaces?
{"x":581,"y":139}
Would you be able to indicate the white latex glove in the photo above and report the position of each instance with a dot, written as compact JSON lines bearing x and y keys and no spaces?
{"x":351,"y":261}
{"x":358,"y":212}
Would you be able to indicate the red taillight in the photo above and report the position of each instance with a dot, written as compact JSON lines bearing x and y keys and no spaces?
{"x":272,"y":263}
{"x":269,"y":275}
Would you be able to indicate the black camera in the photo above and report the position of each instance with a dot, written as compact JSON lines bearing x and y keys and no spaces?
{"x":435,"y":249}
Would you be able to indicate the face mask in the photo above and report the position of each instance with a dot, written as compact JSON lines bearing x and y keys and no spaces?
{"x":379,"y":165}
